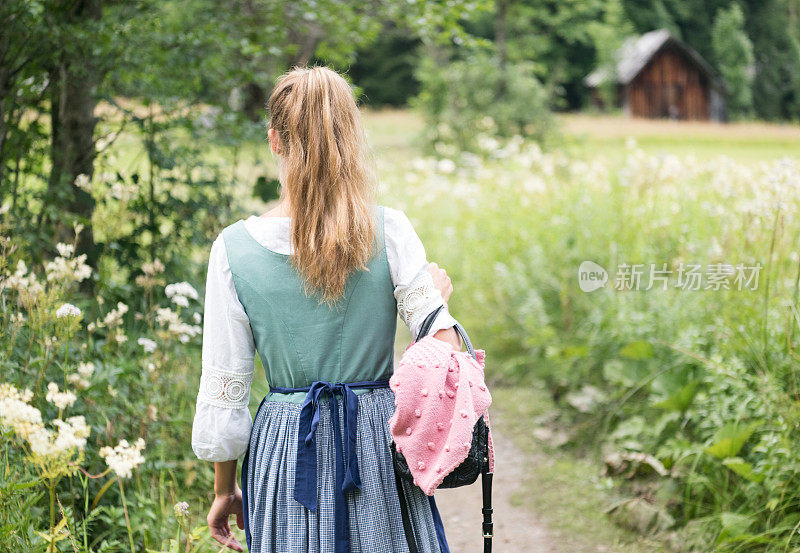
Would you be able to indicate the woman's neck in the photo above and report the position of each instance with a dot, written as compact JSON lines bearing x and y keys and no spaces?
{"x":280,"y":210}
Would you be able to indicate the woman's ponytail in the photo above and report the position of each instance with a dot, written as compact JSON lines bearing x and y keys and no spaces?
{"x":327,"y":175}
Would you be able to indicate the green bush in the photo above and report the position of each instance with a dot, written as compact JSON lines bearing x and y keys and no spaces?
{"x":470,"y":101}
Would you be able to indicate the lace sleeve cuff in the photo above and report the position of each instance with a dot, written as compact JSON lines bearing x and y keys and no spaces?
{"x":416,"y":300}
{"x":225,"y":388}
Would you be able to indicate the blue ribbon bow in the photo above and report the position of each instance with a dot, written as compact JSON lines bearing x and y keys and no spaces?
{"x":347,"y":477}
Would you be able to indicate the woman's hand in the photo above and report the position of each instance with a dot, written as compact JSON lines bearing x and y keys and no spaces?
{"x":221,"y":509}
{"x":441,"y":281}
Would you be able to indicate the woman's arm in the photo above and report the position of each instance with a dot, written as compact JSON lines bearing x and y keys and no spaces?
{"x":450,"y":336}
{"x":225,"y":477}
{"x":418,"y":291}
{"x":442,"y":283}
{"x":222,"y":421}
{"x":227,"y":502}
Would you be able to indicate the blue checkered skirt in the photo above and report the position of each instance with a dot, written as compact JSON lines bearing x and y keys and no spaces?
{"x":279,"y":524}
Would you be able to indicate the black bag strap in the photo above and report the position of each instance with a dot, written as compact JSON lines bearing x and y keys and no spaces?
{"x":425,"y":328}
{"x":408,"y":528}
{"x":486,"y":485}
{"x":486,"y":475}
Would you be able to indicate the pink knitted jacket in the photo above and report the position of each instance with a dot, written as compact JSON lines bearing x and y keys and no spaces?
{"x":439,"y":395}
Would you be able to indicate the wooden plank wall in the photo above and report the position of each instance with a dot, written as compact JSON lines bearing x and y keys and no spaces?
{"x":671,"y":85}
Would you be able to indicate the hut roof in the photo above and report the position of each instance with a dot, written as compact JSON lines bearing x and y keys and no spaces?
{"x":637,"y":51}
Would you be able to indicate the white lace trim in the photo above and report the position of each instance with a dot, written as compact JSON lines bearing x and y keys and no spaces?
{"x":418,"y":299}
{"x":225,"y":388}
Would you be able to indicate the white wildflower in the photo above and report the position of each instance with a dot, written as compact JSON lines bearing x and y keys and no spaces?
{"x":15,"y":413}
{"x":171,"y":319}
{"x":68,"y":268}
{"x":65,"y":250}
{"x":153,"y":268}
{"x":114,"y":317}
{"x":78,"y":381}
{"x":197,"y":318}
{"x":72,"y":433}
{"x":68,"y":310}
{"x":40,"y":440}
{"x":61,"y":400}
{"x":23,"y":282}
{"x":22,"y":269}
{"x":83,"y":182}
{"x":123,"y":458}
{"x":167,"y":317}
{"x":181,"y":289}
{"x":446,"y":165}
{"x":148,"y":344}
{"x":86,"y":369}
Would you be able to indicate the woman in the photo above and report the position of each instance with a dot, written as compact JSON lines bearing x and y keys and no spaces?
{"x":314,"y":285}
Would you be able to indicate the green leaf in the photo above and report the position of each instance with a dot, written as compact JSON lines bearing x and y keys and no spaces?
{"x":575,"y":352}
{"x":734,"y":529}
{"x":626,"y":373}
{"x":743,"y":469}
{"x":729,"y":439}
{"x":680,"y":400}
{"x":637,"y":350}
{"x":735,"y":523}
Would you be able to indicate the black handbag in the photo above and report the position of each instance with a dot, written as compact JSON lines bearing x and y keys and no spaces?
{"x":476,"y":463}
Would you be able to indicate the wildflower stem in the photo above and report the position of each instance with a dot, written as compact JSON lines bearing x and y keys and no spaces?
{"x":764,"y":321}
{"x":85,"y":482}
{"x":127,"y":519}
{"x":102,"y":491}
{"x":52,"y":491}
{"x":30,"y":348}
{"x":66,"y":360}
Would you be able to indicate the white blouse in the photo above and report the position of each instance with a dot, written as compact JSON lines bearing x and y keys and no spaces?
{"x":222,"y":421}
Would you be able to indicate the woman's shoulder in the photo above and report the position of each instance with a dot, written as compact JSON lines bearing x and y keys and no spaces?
{"x":396,"y":223}
{"x":218,"y":253}
{"x":400,"y":234}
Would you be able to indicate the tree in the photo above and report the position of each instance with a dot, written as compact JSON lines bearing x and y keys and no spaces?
{"x":776,"y":85}
{"x":733,"y":52}
{"x":73,"y":76}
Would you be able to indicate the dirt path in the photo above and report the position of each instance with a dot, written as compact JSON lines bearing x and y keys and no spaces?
{"x":516,"y":529}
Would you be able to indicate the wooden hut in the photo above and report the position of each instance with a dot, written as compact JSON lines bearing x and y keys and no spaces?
{"x":656,"y":75}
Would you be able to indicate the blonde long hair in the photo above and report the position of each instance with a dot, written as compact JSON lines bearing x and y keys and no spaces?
{"x":328,"y":175}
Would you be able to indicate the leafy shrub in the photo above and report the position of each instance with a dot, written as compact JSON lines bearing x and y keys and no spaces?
{"x":94,"y":400}
{"x":462,"y":102}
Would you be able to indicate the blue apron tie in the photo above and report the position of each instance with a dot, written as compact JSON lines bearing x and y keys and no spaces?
{"x":347,"y":477}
